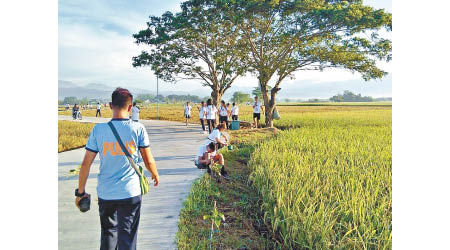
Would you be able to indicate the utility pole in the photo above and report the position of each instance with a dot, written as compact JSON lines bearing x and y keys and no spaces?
{"x":157,"y":98}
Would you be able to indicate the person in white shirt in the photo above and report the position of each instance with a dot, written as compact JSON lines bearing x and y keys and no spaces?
{"x":257,"y":108}
{"x":207,"y":155}
{"x":216,"y":136}
{"x":135,"y":112}
{"x":67,"y":106}
{"x":234,"y":112}
{"x":202,"y":116}
{"x":229,"y":110}
{"x":223,"y":114}
{"x":187,"y":112}
{"x":211,"y":115}
{"x":99,"y":107}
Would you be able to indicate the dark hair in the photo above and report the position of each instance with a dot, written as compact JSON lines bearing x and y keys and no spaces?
{"x":212,"y":146}
{"x":120,"y":97}
{"x":220,"y":126}
{"x":228,"y":104}
{"x":234,"y":104}
{"x":256,"y":96}
{"x":223,"y":102}
{"x":209,"y":101}
{"x":203,"y":102}
{"x":134,"y":103}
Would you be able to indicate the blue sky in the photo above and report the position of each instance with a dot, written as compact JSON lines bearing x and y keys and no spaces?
{"x":96,"y":46}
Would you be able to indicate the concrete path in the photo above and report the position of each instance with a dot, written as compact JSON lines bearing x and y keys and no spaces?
{"x":174,"y":147}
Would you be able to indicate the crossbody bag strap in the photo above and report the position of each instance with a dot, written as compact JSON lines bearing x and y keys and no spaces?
{"x":124,"y":149}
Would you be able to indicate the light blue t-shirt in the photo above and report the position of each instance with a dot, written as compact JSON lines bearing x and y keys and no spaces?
{"x":117,"y":178}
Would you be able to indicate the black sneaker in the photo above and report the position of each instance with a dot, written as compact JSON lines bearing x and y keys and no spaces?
{"x":226,"y":176}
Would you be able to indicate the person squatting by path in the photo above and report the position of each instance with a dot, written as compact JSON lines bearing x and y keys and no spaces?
{"x":118,"y":188}
{"x":207,"y":156}
{"x":223,"y":114}
{"x":202,"y":116}
{"x":187,"y":112}
{"x":216,"y":136}
{"x":211,"y":115}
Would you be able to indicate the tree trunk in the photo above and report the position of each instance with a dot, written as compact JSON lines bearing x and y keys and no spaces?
{"x":269,"y":104}
{"x":216,"y":96}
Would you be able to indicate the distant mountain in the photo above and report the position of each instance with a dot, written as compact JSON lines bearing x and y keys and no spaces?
{"x":66,"y":88}
{"x":101,"y":91}
{"x":66,"y":84}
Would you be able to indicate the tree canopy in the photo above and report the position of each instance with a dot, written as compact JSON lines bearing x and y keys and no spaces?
{"x":288,"y":36}
{"x":197,"y":44}
{"x":239,"y":97}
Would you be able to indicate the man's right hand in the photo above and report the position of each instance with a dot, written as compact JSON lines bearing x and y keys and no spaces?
{"x":156,"y":179}
{"x":77,"y":199}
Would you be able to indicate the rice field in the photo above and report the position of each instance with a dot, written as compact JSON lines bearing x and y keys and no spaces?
{"x":72,"y":135}
{"x":326,"y":181}
{"x":290,"y":114}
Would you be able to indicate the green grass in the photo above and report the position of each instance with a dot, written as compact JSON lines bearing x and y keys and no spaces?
{"x":243,"y":227}
{"x":328,"y":184}
{"x":324,"y":182}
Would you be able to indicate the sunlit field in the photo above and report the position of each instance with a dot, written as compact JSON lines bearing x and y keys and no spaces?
{"x":328,"y":183}
{"x":289,"y":114}
{"x":72,"y":134}
{"x":325,"y":180}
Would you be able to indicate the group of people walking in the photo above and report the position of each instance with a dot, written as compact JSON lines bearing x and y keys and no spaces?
{"x":208,"y":114}
{"x":76,"y":110}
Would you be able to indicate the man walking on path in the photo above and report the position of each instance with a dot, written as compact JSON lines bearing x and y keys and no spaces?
{"x":135,"y":113}
{"x":257,"y":107}
{"x":99,"y":107}
{"x":187,"y":112}
{"x":118,"y":189}
{"x":202,"y":116}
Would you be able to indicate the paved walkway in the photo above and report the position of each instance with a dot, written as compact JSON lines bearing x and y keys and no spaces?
{"x":174,"y":147}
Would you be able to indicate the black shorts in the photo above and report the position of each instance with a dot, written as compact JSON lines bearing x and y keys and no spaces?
{"x":187,"y":116}
{"x":257,"y":116}
{"x":223,"y":118}
{"x":202,"y":166}
{"x":234,"y":117}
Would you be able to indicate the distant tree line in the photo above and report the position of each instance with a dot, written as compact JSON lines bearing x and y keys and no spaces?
{"x":348,"y":96}
{"x":83,"y":101}
{"x":140,"y":98}
{"x":169,"y":98}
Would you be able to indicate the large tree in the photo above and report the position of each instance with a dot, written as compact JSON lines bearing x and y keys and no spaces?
{"x":196,"y":44}
{"x":239,"y":97}
{"x":288,"y":36}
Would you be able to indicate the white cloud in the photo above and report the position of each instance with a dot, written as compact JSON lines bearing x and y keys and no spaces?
{"x":96,"y":45}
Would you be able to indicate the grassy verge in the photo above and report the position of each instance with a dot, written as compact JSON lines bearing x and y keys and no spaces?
{"x":72,"y":135}
{"x":239,"y":202}
{"x":325,"y":182}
